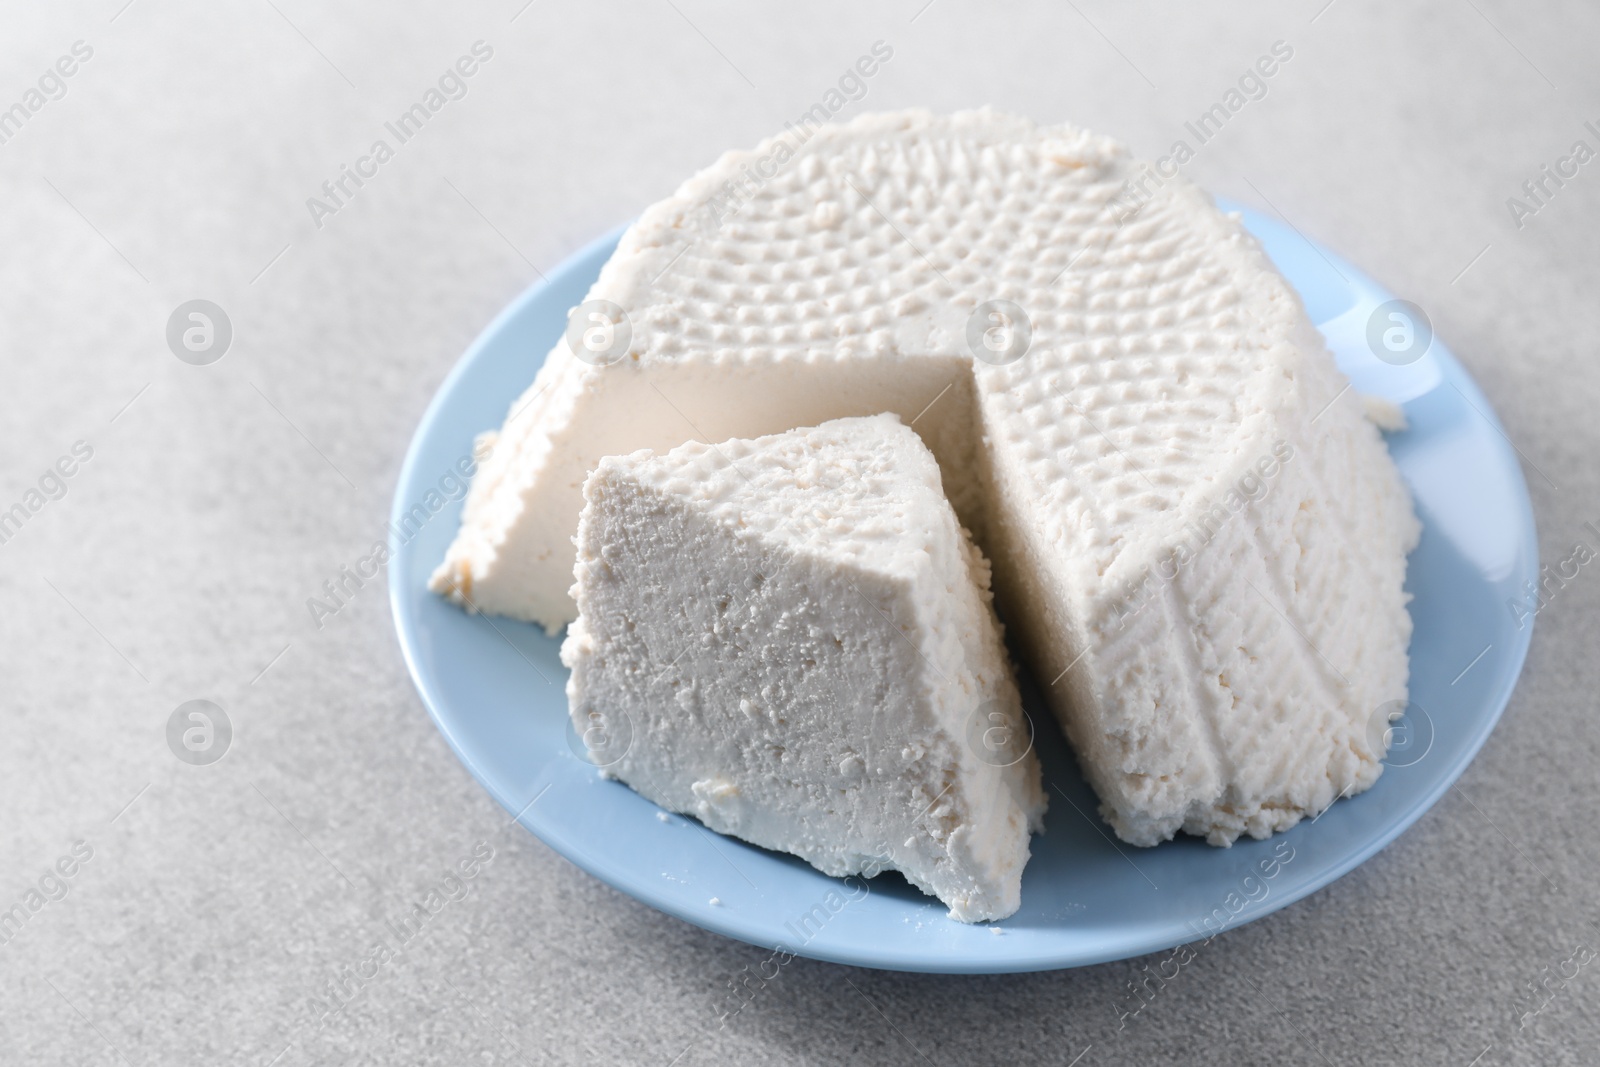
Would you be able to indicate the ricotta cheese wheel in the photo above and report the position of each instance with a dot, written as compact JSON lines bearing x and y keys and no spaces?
{"x":1199,"y":540}
{"x":792,"y":639}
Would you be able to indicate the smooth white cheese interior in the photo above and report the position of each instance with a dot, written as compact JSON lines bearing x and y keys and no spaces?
{"x":1198,"y":538}
{"x":792,"y":640}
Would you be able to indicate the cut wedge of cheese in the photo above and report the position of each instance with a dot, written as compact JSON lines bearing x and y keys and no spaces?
{"x":792,"y":640}
{"x":1199,"y":540}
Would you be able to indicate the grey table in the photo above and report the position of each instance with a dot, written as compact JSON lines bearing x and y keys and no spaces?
{"x":208,"y":907}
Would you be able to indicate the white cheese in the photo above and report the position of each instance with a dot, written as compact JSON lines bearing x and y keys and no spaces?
{"x":792,"y":640}
{"x":1199,"y":539}
{"x":1385,"y":414}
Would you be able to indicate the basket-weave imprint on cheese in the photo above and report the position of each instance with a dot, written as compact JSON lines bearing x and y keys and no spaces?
{"x":1167,"y":359}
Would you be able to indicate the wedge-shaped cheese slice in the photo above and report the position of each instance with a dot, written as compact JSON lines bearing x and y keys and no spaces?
{"x":1199,"y":540}
{"x":792,"y":640}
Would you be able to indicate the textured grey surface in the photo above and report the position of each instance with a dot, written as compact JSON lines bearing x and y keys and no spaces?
{"x":220,"y":899}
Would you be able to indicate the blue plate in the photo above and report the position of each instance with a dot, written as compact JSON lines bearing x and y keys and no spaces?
{"x":495,"y":689}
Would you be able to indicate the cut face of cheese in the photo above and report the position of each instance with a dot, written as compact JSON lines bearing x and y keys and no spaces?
{"x":792,"y":640}
{"x":1198,"y":538}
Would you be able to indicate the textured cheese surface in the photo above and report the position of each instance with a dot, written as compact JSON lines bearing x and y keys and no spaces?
{"x":1198,"y":538}
{"x":795,"y":637}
